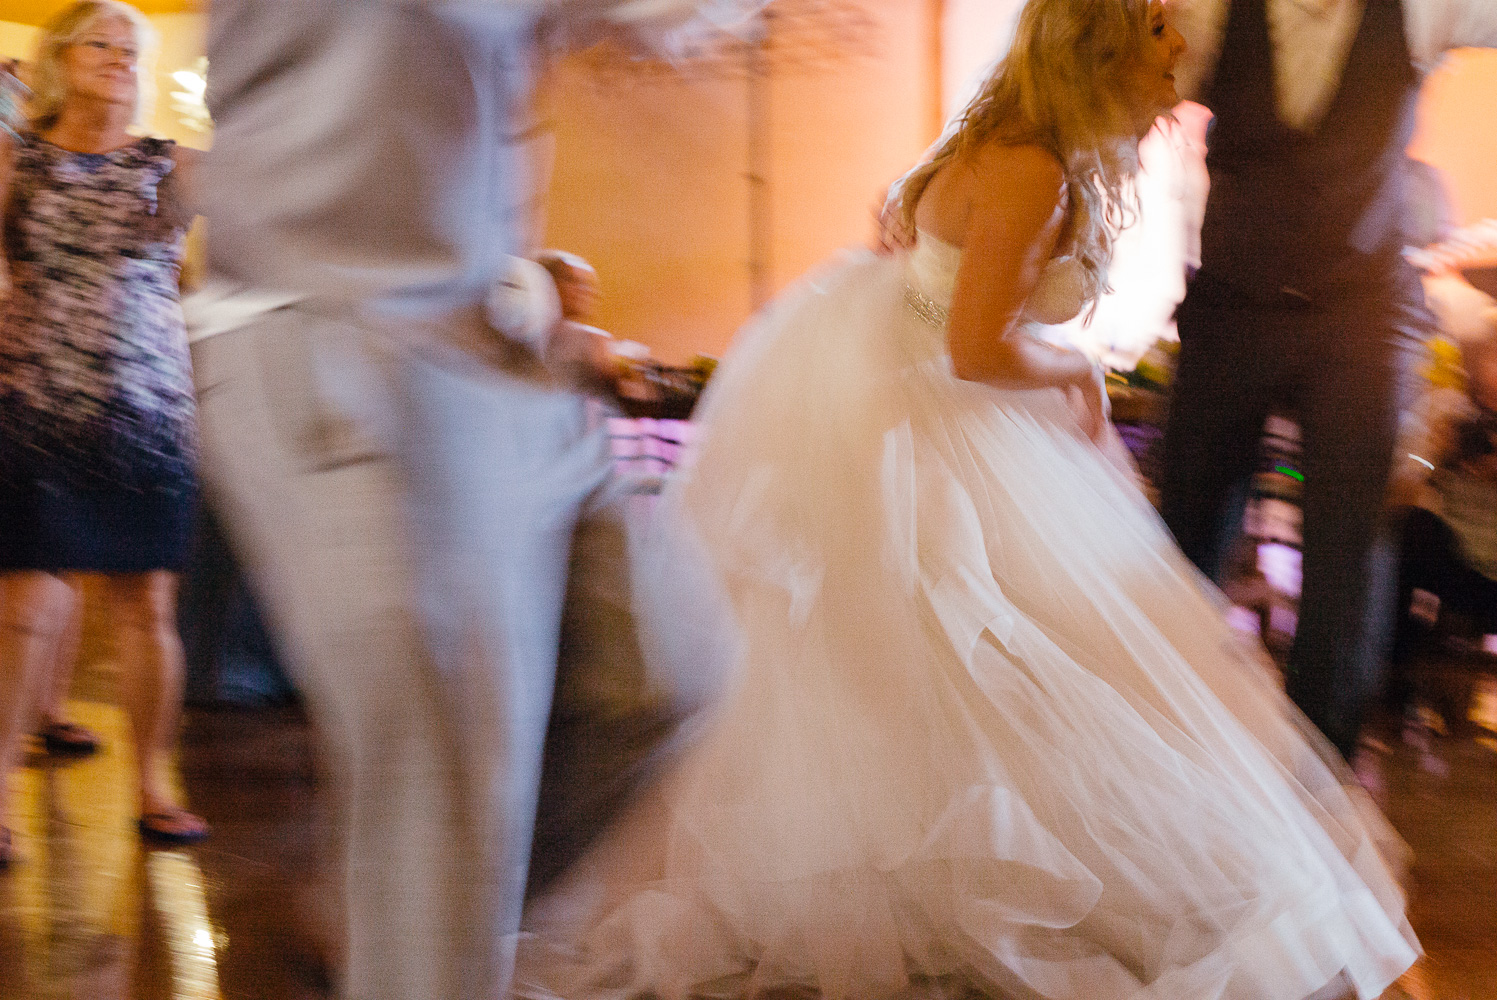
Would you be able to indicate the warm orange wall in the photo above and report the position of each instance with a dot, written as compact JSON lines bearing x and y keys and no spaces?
{"x":649,"y":181}
{"x":648,"y":186}
{"x":843,"y":136}
{"x":1458,"y":131}
{"x":40,"y":11}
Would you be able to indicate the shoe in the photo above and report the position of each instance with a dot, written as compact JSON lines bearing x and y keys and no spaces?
{"x":7,"y":849}
{"x":167,"y":828}
{"x":68,"y":739}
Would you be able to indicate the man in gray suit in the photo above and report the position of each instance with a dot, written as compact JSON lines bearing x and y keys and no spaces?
{"x":402,"y":481}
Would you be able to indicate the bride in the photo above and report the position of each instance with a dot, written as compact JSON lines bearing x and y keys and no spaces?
{"x":987,"y":732}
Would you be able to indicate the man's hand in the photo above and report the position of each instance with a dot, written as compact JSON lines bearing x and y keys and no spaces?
{"x":584,"y":355}
{"x":893,"y":234}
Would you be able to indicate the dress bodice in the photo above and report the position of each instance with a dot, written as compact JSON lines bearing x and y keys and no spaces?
{"x":94,"y":369}
{"x":1058,"y":297}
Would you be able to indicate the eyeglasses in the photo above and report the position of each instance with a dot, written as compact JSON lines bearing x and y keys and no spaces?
{"x":127,"y":52}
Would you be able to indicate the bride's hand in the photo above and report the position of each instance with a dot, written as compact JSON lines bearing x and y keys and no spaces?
{"x":1094,"y":410}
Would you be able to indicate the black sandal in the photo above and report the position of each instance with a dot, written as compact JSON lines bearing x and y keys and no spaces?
{"x":68,"y":739}
{"x":157,"y":828}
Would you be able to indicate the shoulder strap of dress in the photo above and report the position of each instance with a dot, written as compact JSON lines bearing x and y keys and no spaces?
{"x":155,"y":155}
{"x":156,"y":146}
{"x":29,"y":149}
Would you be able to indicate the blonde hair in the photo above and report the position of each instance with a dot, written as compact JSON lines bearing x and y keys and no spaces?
{"x":49,"y":83}
{"x":1063,"y":86}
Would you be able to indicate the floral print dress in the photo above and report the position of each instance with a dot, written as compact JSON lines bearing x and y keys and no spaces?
{"x":97,"y":431}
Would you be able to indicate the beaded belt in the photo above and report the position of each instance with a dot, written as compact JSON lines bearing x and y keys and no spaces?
{"x":928,"y":309}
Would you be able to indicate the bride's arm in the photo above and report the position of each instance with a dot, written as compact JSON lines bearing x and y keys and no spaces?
{"x":1016,"y":218}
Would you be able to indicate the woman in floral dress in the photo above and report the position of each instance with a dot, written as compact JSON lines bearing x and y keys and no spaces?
{"x":97,"y":439}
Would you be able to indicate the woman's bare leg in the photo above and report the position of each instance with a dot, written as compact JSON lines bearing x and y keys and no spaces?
{"x":57,"y":684}
{"x":142,"y":615}
{"x":33,"y":610}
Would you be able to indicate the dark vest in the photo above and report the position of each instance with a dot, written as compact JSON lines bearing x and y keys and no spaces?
{"x":1299,"y":216}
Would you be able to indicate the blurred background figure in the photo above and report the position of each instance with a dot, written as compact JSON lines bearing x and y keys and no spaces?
{"x":230,"y":658}
{"x":1304,"y":300}
{"x":1445,"y":493}
{"x":1429,"y":216}
{"x":97,"y":443}
{"x":401,"y":476}
{"x":576,"y":347}
{"x":576,"y":281}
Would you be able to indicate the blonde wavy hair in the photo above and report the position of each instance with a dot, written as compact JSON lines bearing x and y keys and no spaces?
{"x":48,"y":76}
{"x":1064,"y":86}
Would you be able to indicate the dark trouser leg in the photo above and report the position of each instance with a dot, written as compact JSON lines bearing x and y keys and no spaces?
{"x":201,"y":608}
{"x":610,"y":719}
{"x":1468,"y":591}
{"x":1349,"y":397}
{"x":1211,"y":442}
{"x":229,"y":656}
{"x":1425,"y":552}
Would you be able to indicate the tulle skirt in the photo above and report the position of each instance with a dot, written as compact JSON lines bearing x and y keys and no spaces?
{"x":985,"y":731}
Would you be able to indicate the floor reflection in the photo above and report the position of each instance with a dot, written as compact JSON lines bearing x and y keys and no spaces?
{"x":86,"y":912}
{"x":1437,"y":782}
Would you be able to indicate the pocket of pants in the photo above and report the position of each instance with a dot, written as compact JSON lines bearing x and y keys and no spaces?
{"x":328,"y":389}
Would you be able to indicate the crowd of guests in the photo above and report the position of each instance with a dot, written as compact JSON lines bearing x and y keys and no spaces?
{"x":1444,"y":499}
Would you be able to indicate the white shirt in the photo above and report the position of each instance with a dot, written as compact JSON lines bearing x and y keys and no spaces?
{"x":1312,"y":39}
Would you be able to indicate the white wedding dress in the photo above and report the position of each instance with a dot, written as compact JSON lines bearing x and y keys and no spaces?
{"x":987,"y":731}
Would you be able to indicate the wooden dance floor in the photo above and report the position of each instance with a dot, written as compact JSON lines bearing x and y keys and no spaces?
{"x":87,"y":914}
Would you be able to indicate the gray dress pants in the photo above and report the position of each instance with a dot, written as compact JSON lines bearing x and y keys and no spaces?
{"x":408,"y":515}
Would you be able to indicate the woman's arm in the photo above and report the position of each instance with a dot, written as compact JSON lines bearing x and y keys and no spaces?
{"x":7,"y":170}
{"x":177,"y":203}
{"x":1017,"y":217}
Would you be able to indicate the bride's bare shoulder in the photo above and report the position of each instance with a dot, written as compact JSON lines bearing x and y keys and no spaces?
{"x":1028,"y":170}
{"x":1019,"y":199}
{"x":994,"y":176}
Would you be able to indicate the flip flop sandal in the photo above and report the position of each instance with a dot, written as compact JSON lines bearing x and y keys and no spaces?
{"x":69,"y":739}
{"x":159,"y":828}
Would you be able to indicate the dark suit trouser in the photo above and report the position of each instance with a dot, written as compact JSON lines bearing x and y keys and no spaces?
{"x":1340,"y":369}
